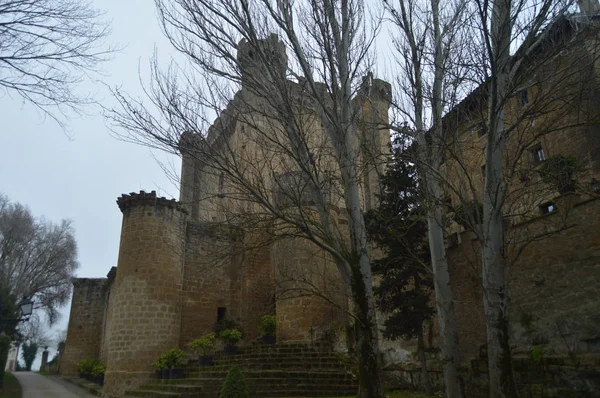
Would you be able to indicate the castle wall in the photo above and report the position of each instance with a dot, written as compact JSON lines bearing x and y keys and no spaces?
{"x":107,"y":318}
{"x":310,"y":294}
{"x":257,"y":290}
{"x":212,"y":275}
{"x":85,"y":321}
{"x":553,"y":286}
{"x":145,"y":302}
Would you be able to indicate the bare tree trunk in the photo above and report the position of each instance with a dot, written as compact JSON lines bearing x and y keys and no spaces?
{"x":369,"y":372}
{"x":370,"y":385}
{"x":443,"y":298}
{"x":424,"y":372}
{"x":435,"y":222}
{"x":493,"y":277}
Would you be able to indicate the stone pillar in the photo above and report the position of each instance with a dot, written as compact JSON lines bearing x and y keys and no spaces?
{"x":146,"y":296}
{"x":85,"y":324}
{"x":44,"y":360}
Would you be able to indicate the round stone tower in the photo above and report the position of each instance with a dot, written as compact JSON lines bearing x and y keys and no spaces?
{"x":146,"y":308}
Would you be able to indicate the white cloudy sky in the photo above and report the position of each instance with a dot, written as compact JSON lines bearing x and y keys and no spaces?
{"x":80,"y":176}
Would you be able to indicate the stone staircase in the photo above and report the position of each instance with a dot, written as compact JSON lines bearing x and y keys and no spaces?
{"x":289,"y":370}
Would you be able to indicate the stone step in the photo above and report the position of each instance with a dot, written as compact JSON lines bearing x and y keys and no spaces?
{"x":153,"y":394}
{"x":258,"y":380}
{"x":329,"y":367}
{"x":253,"y":373}
{"x":289,"y":390}
{"x":279,"y":353}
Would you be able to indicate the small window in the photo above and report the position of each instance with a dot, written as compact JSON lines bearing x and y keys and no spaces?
{"x":538,"y":154}
{"x":483,"y":171}
{"x":523,"y":97}
{"x":547,"y":208}
{"x":221,"y":311}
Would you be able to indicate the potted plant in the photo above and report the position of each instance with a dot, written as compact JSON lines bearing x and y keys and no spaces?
{"x":202,"y":347}
{"x":268,"y":326}
{"x":159,"y":367}
{"x":86,"y":367}
{"x":173,"y":361}
{"x":230,"y":337}
{"x":98,"y":373}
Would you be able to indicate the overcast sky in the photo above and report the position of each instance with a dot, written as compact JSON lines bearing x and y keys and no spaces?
{"x":80,"y":176}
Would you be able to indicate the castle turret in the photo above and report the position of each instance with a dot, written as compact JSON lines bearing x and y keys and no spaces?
{"x":373,"y":99}
{"x":146,"y":308}
{"x":189,"y":191}
{"x":261,"y":61}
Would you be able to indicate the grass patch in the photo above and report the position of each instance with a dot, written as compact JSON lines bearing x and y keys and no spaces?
{"x":12,"y":388}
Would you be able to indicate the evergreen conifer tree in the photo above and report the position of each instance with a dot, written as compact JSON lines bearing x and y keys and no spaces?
{"x":398,"y":227}
{"x":235,"y":385}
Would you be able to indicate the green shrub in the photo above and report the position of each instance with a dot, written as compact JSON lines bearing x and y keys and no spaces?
{"x":87,"y":366}
{"x":160,"y":363}
{"x":170,"y":359}
{"x":235,"y":385}
{"x":268,"y":325}
{"x":99,"y":370}
{"x":537,"y":354}
{"x":227,"y":323}
{"x":204,"y":344}
{"x":174,"y":357}
{"x":230,"y":336}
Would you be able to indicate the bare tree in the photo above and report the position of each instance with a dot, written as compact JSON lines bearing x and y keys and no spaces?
{"x":37,"y":258}
{"x":528,"y":90}
{"x":430,"y":45}
{"x":46,"y":48}
{"x":286,"y":153}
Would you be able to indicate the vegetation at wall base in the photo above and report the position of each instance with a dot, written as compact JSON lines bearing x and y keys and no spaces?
{"x":235,"y":385}
{"x":11,"y":388}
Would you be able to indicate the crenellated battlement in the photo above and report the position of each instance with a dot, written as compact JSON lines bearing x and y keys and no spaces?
{"x":375,"y":89}
{"x":147,"y":199}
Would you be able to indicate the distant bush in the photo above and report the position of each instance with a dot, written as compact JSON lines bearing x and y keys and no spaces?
{"x":235,"y":385}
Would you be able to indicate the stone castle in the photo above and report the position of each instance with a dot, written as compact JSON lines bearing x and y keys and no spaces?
{"x":168,"y":290}
{"x":183,"y":267}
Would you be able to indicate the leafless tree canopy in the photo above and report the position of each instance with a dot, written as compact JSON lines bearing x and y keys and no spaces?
{"x":46,"y":48}
{"x":38,"y":258}
{"x":296,"y":158}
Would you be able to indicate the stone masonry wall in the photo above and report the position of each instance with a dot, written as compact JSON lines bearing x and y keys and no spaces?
{"x":145,"y":301}
{"x":257,"y":292}
{"x":212,"y":270}
{"x":553,"y":287}
{"x":303,"y":272}
{"x":85,"y":324}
